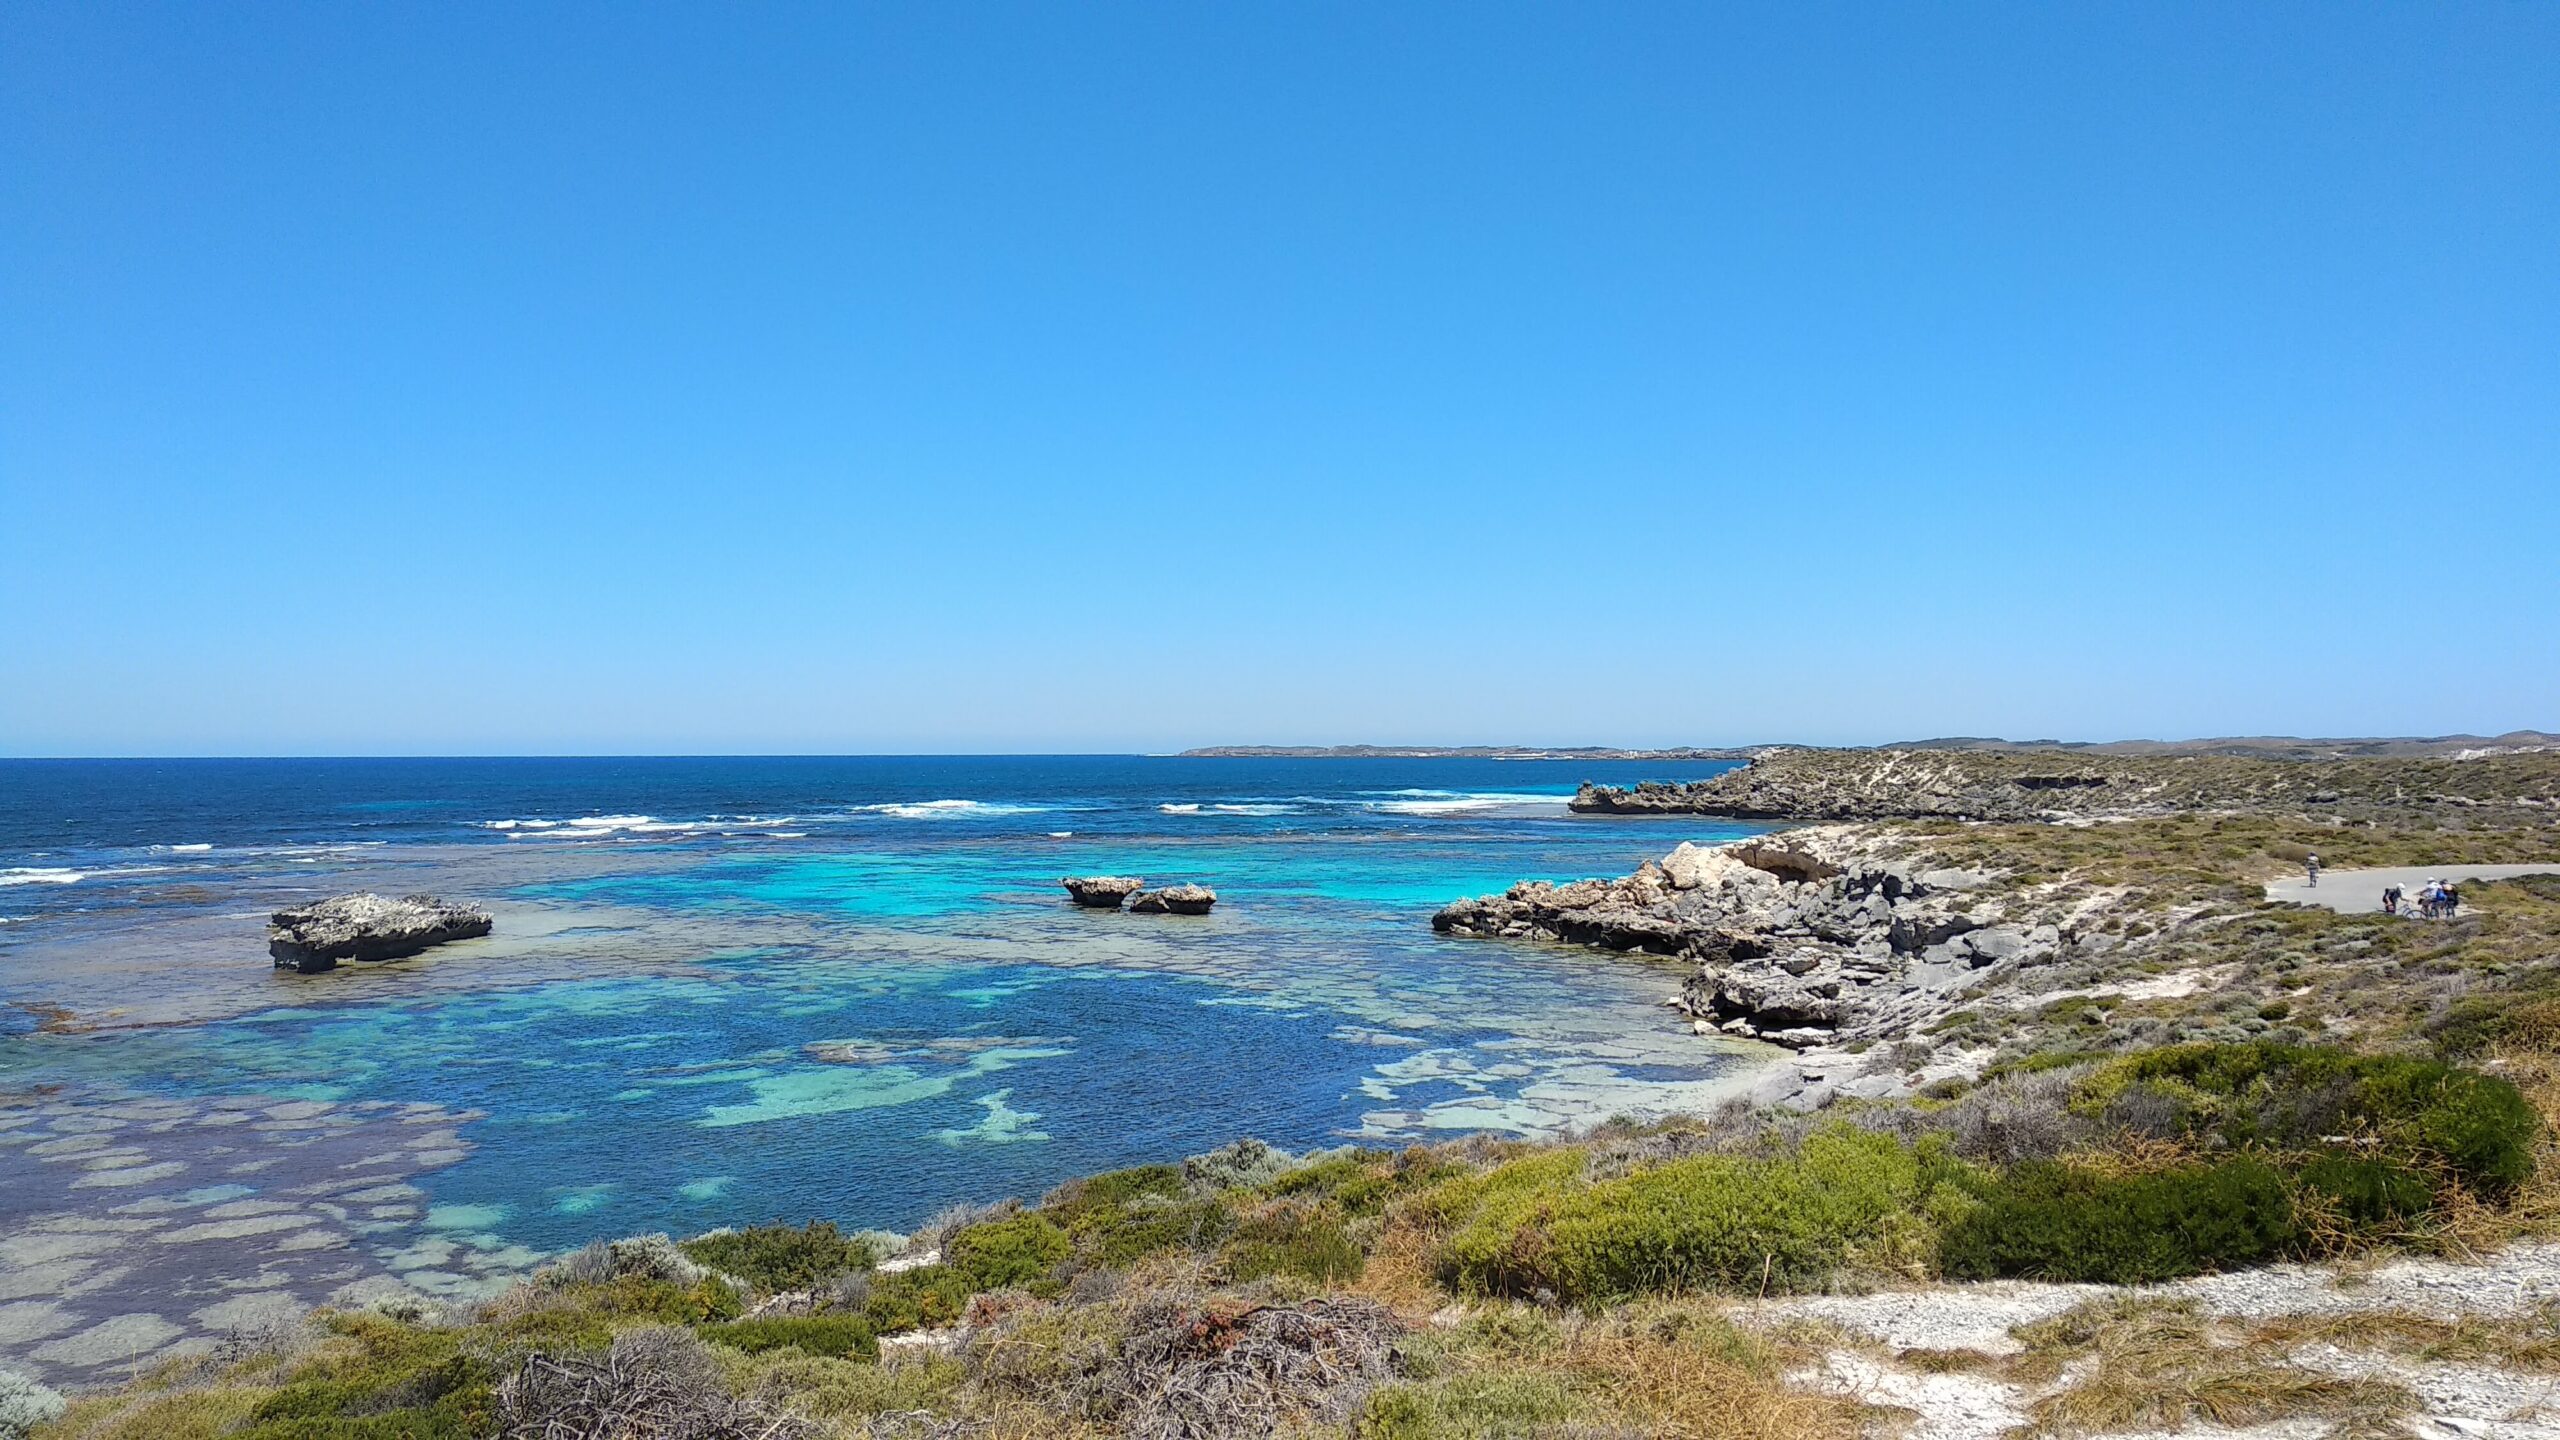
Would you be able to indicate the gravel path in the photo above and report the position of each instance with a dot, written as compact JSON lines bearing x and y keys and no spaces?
{"x":2462,"y":1402}
{"x":2357,"y":891}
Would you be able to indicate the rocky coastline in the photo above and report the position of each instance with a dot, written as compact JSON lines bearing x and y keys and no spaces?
{"x":2507,"y":788}
{"x":1825,"y":941}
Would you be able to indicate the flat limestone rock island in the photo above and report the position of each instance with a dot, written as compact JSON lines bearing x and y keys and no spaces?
{"x":1174,"y":900}
{"x":1101,"y":892}
{"x":315,"y":937}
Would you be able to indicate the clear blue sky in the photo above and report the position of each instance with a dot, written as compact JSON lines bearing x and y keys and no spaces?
{"x":428,"y":378}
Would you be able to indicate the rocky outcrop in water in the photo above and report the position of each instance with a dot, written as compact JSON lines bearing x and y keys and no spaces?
{"x":1809,"y":938}
{"x":312,"y":938}
{"x":2018,"y":785}
{"x":1101,"y":892}
{"x":1174,"y":900}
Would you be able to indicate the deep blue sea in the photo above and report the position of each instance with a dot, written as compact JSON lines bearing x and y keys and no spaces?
{"x":729,"y":990}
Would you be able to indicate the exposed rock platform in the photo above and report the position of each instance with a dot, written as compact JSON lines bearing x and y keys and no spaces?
{"x":315,"y":937}
{"x":1174,"y":900}
{"x":1101,"y":892}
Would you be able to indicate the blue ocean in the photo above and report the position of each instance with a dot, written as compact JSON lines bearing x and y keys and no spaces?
{"x":733,"y":990}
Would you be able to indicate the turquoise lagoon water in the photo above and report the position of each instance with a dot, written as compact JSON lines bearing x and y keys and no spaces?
{"x":728,"y":991}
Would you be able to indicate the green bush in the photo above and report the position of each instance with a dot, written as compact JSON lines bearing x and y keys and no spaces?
{"x":1021,"y":1250}
{"x":398,"y":1382}
{"x":925,"y":1298}
{"x":781,"y":1257}
{"x":2295,"y":1097}
{"x":1311,"y":1244}
{"x":1467,"y":1407}
{"x":1709,"y":1221}
{"x":1124,"y":1237}
{"x":827,"y":1336}
{"x":1097,"y":1197}
{"x":2367,"y":1192}
{"x":1361,"y":1182}
{"x":2051,"y":1221}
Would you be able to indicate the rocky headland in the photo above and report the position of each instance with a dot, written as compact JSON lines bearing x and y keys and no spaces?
{"x":1891,"y":957}
{"x":1826,"y":941}
{"x":2503,"y":788}
{"x":315,"y":937}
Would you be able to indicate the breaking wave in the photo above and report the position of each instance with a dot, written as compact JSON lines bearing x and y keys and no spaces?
{"x":1463,"y":802}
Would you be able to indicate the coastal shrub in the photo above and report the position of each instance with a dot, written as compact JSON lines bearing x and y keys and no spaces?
{"x":1116,"y":1219}
{"x":2048,"y":1220}
{"x":1706,"y":1222}
{"x":1467,"y":1407}
{"x":24,"y":1405}
{"x":781,"y":1257}
{"x":925,"y":1298}
{"x":1309,"y":1243}
{"x":1240,"y":1165}
{"x":1022,"y":1251}
{"x":1064,"y":1358}
{"x":652,"y":1257}
{"x":395,"y":1382}
{"x":663,"y":1301}
{"x":827,"y":1336}
{"x":1361,"y":1182}
{"x":1119,"y":1238}
{"x":1110,"y":1191}
{"x":1506,"y":1189}
{"x":2268,"y":1094}
{"x":841,"y":1390}
{"x":2365,"y":1191}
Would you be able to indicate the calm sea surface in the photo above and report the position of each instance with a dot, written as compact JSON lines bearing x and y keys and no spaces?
{"x":730,"y":990}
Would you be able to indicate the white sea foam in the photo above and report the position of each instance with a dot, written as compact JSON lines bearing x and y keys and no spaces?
{"x":1179,"y":809}
{"x":1062,"y":834}
{"x":1453,"y":802}
{"x":631,"y":827}
{"x":182,"y":849}
{"x":950,"y":809}
{"x":41,"y":875}
{"x":64,"y":875}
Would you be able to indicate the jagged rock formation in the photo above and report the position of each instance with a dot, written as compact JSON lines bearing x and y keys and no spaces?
{"x":1101,"y":892}
{"x":1809,"y":938}
{"x":2017,"y":785}
{"x":312,"y":938}
{"x":1174,"y":900}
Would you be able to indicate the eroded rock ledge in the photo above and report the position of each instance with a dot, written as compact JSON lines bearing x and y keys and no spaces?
{"x":1813,"y":938}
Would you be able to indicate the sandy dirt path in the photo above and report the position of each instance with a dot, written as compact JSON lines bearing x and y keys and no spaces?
{"x":2357,"y":891}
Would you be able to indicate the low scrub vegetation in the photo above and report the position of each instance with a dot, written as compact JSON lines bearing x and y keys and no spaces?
{"x":1161,"y":1302}
{"x":2346,"y":1084}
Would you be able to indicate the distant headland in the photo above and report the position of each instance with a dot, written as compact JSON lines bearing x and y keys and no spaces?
{"x":2260,"y":747}
{"x":1461,"y":752}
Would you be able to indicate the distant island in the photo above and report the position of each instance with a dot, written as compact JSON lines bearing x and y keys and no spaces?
{"x":2259,"y":747}
{"x":1462,"y":752}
